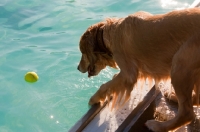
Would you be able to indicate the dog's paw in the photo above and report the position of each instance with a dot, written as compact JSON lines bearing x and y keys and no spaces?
{"x":100,"y":95}
{"x":154,"y":126}
{"x":97,"y":99}
{"x":93,"y":100}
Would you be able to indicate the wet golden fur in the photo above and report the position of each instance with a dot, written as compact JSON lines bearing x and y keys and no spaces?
{"x":143,"y":45}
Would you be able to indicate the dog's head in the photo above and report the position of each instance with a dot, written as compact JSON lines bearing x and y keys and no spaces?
{"x":95,"y":55}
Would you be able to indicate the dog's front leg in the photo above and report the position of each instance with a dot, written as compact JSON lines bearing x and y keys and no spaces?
{"x":120,"y":84}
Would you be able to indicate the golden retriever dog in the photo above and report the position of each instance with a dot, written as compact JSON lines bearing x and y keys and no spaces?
{"x":142,"y":45}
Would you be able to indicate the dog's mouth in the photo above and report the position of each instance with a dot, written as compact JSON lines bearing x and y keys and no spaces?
{"x":91,"y":71}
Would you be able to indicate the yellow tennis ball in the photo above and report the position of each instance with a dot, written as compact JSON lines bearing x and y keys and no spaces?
{"x":31,"y":77}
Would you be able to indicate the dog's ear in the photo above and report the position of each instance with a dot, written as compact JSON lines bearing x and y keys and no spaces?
{"x":89,"y":38}
{"x":88,"y":42}
{"x":96,"y":32}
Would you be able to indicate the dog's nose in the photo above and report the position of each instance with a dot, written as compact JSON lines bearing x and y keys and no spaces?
{"x":78,"y":67}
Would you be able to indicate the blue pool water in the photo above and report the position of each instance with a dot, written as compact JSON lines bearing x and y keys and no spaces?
{"x":43,"y":36}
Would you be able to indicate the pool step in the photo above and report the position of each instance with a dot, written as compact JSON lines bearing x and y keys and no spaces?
{"x":131,"y":122}
{"x":97,"y":119}
{"x":84,"y":124}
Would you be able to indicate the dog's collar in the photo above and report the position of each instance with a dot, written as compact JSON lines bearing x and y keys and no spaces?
{"x":101,"y":47}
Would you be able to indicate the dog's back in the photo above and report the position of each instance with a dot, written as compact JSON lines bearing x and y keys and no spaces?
{"x":155,"y":39}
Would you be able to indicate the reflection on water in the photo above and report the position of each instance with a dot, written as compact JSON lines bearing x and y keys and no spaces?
{"x":174,"y":4}
{"x":51,"y":116}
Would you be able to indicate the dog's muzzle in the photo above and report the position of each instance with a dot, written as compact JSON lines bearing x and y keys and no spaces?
{"x":90,"y":70}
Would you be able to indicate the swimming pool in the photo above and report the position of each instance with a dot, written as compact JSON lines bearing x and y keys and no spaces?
{"x":43,"y":36}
